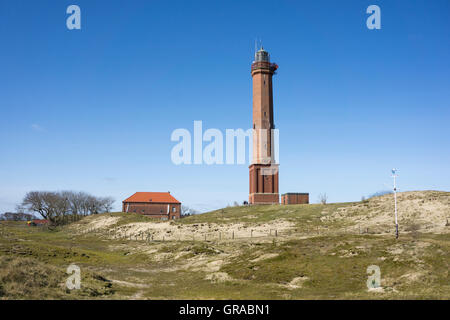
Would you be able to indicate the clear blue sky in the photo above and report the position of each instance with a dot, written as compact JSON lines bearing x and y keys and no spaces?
{"x":94,"y":109}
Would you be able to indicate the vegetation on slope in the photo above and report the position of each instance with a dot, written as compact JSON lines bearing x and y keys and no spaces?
{"x":330,"y":263}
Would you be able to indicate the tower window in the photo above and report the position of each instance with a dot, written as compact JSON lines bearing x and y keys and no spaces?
{"x":264,"y":113}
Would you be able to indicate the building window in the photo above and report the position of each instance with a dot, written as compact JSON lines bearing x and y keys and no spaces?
{"x":174,"y":209}
{"x":173,"y":217}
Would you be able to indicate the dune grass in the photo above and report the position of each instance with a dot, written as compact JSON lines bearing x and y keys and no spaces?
{"x":33,"y":261}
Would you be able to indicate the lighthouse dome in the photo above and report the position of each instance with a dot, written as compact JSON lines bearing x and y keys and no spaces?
{"x":262,"y":55}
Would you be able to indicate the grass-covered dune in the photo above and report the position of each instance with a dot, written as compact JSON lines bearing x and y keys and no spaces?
{"x":252,"y":252}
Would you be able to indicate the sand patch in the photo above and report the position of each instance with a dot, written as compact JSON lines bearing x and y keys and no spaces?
{"x":162,"y":256}
{"x":424,"y":211}
{"x":130,"y":284}
{"x":214,"y":266}
{"x":265,"y":257}
{"x":412,"y":276}
{"x":218,"y":277}
{"x":297,"y":282}
{"x":95,"y":222}
{"x":167,"y":231}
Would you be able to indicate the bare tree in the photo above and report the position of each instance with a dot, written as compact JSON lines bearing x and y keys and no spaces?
{"x":16,"y":216}
{"x":84,"y":203}
{"x":186,"y":211}
{"x":94,"y":205}
{"x":64,"y":206}
{"x":323,"y":198}
{"x":106,"y":204}
{"x":43,"y":203}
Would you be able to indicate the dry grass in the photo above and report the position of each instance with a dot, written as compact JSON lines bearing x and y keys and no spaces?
{"x":324,"y":257}
{"x":27,"y":277}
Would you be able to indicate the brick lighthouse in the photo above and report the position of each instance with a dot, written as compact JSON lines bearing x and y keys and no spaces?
{"x":263,"y":170}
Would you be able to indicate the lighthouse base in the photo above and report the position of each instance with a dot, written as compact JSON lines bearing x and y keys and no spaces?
{"x":264,"y":184}
{"x":264,"y":198}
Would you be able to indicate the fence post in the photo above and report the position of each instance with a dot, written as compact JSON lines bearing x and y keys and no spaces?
{"x":276,"y":233}
{"x":233,"y":235}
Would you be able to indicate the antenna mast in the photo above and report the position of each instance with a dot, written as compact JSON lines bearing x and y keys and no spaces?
{"x":394,"y":175}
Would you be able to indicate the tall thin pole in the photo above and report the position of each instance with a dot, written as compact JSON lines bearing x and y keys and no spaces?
{"x":394,"y":175}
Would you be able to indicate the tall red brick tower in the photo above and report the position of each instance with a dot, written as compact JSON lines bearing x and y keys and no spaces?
{"x":263,"y":170}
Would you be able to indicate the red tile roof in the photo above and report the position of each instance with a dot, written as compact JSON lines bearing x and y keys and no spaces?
{"x":152,"y":197}
{"x":40,"y":221}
